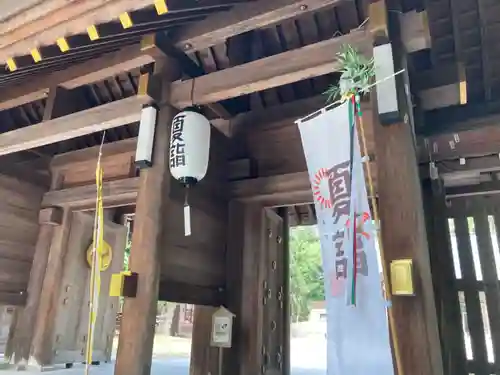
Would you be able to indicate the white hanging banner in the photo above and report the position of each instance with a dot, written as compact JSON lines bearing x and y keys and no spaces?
{"x":358,"y":333}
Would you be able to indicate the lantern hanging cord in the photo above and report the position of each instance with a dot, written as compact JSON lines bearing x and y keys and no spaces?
{"x":376,"y":218}
{"x":186,"y":195}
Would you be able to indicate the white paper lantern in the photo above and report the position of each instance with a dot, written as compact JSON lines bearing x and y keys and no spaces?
{"x":189,"y":153}
{"x":189,"y":147}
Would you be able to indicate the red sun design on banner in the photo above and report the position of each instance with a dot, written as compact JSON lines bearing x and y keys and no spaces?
{"x":320,"y":188}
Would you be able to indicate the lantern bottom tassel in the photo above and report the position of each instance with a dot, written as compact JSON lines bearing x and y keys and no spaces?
{"x":187,"y":220}
{"x":187,"y":214}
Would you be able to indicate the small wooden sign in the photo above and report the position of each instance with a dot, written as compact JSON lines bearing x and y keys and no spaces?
{"x":222,"y":328}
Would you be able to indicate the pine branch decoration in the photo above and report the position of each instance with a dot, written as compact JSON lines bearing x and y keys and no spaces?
{"x":357,"y":74}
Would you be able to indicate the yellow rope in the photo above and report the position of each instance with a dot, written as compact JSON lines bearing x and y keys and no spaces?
{"x":373,"y":199}
{"x":95,"y":269}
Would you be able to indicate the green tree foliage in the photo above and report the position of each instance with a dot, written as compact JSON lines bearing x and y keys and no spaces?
{"x":306,"y":284}
{"x":127,"y":255}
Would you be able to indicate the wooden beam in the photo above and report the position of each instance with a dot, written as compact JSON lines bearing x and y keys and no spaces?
{"x":107,"y":116}
{"x":461,"y":118}
{"x":288,"y":189}
{"x":294,"y":188}
{"x":68,"y":18}
{"x":81,"y":74}
{"x":485,"y":188}
{"x":10,"y":9}
{"x":378,"y":25}
{"x":473,"y":143}
{"x":115,"y":193}
{"x":477,"y":164}
{"x":162,"y":48}
{"x":443,"y":86}
{"x":288,"y":67}
{"x":13,"y":299}
{"x":69,"y":159}
{"x":50,"y":216}
{"x":242,"y":18}
{"x":415,"y":33}
{"x":442,"y":75}
{"x":175,"y":291}
{"x":260,"y":119}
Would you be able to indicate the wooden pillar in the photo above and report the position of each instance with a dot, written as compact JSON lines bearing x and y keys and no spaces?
{"x":137,"y":329}
{"x":42,"y":336}
{"x":404,"y":236}
{"x":244,"y":291}
{"x":204,"y":358}
{"x":401,"y":209}
{"x":48,"y":219}
{"x":256,"y":291}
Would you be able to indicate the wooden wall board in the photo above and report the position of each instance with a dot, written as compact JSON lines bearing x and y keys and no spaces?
{"x":71,"y":321}
{"x":18,"y":233}
{"x":200,"y":258}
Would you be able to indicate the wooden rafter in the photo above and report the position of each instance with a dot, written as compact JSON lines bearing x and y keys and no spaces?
{"x":95,"y":70}
{"x":242,"y":18}
{"x":288,"y":67}
{"x":47,"y":22}
{"x":108,"y":116}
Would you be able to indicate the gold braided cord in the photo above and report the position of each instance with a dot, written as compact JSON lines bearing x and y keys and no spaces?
{"x":376,"y":218}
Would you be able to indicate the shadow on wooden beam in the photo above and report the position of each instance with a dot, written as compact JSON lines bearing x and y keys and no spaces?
{"x":174,"y":291}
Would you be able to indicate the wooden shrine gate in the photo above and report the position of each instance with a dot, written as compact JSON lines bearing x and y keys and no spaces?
{"x":464,"y":243}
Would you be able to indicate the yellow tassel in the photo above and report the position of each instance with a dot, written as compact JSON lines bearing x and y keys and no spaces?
{"x":161,"y":7}
{"x":126,"y":20}
{"x":93,"y":32}
{"x":63,"y":45}
{"x":95,"y":271}
{"x":11,"y":64}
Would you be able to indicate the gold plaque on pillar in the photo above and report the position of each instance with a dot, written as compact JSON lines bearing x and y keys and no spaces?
{"x":106,"y":257}
{"x":402,"y":277}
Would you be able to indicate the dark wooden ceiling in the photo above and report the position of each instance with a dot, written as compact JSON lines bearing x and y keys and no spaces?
{"x":464,"y":31}
{"x":461,"y":30}
{"x":292,"y":34}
